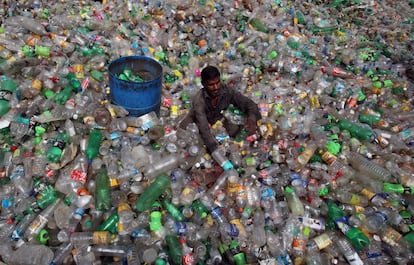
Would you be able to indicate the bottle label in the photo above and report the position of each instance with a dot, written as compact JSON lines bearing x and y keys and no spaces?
{"x":59,"y":143}
{"x":79,"y":175}
{"x":38,"y":224}
{"x":100,"y":237}
{"x":391,"y":237}
{"x":355,"y":199}
{"x":5,"y":95}
{"x":239,"y":225}
{"x":342,"y":224}
{"x":299,"y":244}
{"x":322,"y":241}
{"x":354,"y":259}
{"x":233,"y":187}
{"x":367,"y":193}
{"x":188,"y":259}
{"x":313,"y":223}
{"x":180,"y":228}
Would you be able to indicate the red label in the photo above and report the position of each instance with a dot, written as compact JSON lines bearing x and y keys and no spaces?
{"x":78,"y":175}
{"x":188,"y":259}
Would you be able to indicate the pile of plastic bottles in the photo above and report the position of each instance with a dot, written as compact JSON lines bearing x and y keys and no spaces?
{"x":327,"y":179}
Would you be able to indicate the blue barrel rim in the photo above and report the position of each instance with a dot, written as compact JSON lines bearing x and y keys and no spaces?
{"x":137,"y":58}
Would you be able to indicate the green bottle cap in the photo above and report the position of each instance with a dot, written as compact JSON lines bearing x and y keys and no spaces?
{"x":43,"y":236}
{"x":155,"y":223}
{"x":333,"y":147}
{"x":377,"y":84}
{"x":160,"y":261}
{"x":289,"y":190}
{"x":240,"y":258}
{"x":324,"y":191}
{"x":388,"y":83}
{"x":272,"y":55}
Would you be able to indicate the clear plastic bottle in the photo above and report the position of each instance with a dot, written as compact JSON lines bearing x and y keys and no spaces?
{"x":26,"y":254}
{"x":41,"y":220}
{"x":348,"y":251}
{"x":95,"y":237}
{"x":294,"y":202}
{"x":369,"y":168}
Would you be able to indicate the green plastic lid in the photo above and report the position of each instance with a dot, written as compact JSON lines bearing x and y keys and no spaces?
{"x":155,"y":223}
{"x":240,"y":258}
{"x":333,"y":147}
{"x":43,"y":236}
{"x":289,"y":190}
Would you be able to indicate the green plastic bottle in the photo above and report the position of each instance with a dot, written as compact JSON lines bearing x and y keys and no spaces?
{"x":397,"y":188}
{"x":173,"y":210}
{"x":151,"y":194}
{"x":110,"y":224}
{"x":258,"y":25}
{"x":7,"y":88}
{"x":94,"y":142}
{"x":362,"y":133}
{"x":337,"y":216}
{"x":174,"y":250}
{"x":54,"y":153}
{"x":102,"y":190}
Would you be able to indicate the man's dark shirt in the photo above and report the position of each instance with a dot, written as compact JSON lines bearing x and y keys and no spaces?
{"x":205,"y":114}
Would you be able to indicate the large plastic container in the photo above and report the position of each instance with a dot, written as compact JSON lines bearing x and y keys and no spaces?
{"x":138,"y":98}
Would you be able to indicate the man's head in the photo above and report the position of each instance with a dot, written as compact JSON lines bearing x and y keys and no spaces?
{"x":210,"y":79}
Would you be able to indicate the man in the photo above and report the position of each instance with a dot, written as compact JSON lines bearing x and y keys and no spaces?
{"x":211,"y":100}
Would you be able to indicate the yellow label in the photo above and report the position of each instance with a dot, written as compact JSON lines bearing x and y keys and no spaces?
{"x":323,"y":241}
{"x":37,"y":84}
{"x":239,"y":225}
{"x":123,"y":206}
{"x":233,"y":187}
{"x":100,"y":237}
{"x":355,"y":199}
{"x":367,"y":193}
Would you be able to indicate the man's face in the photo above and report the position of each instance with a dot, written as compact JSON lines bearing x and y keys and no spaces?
{"x":213,"y":86}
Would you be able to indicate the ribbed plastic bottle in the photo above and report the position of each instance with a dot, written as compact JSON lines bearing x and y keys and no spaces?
{"x":369,"y":168}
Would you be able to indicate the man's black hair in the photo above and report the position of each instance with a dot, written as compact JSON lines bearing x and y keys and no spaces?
{"x":209,"y":72}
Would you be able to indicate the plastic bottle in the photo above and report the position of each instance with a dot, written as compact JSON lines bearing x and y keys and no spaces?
{"x":189,"y":192}
{"x":358,"y":239}
{"x":174,"y":250}
{"x":173,"y":210}
{"x":348,"y":251}
{"x":26,"y":254}
{"x":55,"y":151}
{"x":102,"y":190}
{"x":270,"y":205}
{"x":163,"y":165}
{"x":94,"y":142}
{"x":7,"y":87}
{"x":369,"y":168}
{"x":154,"y":190}
{"x":96,"y":237}
{"x":295,"y":204}
{"x":41,"y":220}
{"x":221,"y":159}
{"x":305,"y":156}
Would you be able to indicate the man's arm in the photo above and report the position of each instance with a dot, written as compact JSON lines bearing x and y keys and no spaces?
{"x":246,"y":105}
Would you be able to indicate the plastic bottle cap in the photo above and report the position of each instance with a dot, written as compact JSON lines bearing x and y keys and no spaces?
{"x":289,"y":190}
{"x":333,"y":147}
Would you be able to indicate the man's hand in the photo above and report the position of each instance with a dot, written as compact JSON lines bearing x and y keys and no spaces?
{"x":251,"y":126}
